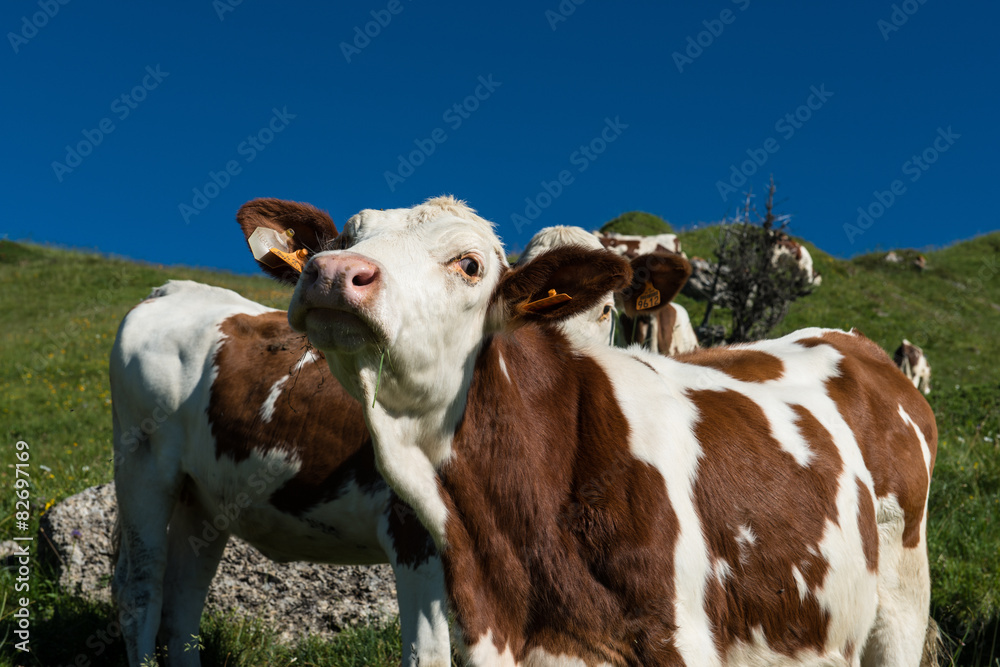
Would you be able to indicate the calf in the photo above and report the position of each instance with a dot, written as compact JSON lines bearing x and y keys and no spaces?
{"x":762,"y":504}
{"x":913,"y":363}
{"x":227,"y":422}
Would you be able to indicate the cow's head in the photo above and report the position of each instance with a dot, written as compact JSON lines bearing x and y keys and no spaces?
{"x":311,"y":231}
{"x":657,"y":278}
{"x":405,"y":297}
{"x":594,"y":326}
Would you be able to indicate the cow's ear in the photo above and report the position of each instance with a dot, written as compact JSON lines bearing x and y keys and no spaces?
{"x":656,"y":279}
{"x":310,"y":228}
{"x":536,"y":291}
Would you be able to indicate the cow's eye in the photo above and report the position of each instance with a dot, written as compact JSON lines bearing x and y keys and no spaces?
{"x":470,"y":266}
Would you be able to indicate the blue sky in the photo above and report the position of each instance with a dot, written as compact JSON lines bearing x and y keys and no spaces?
{"x":138,"y":129}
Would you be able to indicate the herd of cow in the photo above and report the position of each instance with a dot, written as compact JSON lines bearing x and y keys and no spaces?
{"x":541,"y":495}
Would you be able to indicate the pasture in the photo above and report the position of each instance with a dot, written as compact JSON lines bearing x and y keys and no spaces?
{"x":61,"y":310}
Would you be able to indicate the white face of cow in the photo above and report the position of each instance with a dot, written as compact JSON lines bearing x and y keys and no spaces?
{"x":412,"y":283}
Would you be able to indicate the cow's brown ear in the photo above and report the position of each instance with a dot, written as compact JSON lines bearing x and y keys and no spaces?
{"x":311,"y":229}
{"x":656,"y":279}
{"x":537,"y":291}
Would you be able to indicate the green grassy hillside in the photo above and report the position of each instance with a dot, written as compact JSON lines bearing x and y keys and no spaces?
{"x":60,"y":311}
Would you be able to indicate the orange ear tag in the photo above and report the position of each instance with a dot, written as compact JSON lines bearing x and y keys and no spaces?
{"x":270,"y":247}
{"x":545,"y":303}
{"x":649,"y":298}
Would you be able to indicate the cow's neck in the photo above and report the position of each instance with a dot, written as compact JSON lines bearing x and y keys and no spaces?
{"x":413,"y":426}
{"x":539,"y":428}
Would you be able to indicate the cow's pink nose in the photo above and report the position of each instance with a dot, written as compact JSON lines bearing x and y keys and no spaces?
{"x":345,"y":275}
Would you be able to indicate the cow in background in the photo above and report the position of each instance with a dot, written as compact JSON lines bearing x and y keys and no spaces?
{"x":668,"y":329}
{"x":253,"y":437}
{"x":913,"y":363}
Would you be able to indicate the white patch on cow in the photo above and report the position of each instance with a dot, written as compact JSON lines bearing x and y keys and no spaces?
{"x":683,"y":339}
{"x":267,"y":408}
{"x":307,"y":358}
{"x":745,"y":537}
{"x":503,"y":366}
{"x":722,"y":571}
{"x":647,"y":244}
{"x":925,"y":450}
{"x":800,"y":583}
{"x":484,"y":652}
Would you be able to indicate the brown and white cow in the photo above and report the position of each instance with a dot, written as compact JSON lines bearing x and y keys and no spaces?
{"x":663,"y":271}
{"x":799,"y":254}
{"x":913,"y":363}
{"x":757,"y":505}
{"x":667,"y":329}
{"x":227,"y":422}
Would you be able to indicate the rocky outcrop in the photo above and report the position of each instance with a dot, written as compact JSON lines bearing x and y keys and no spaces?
{"x":292,"y":598}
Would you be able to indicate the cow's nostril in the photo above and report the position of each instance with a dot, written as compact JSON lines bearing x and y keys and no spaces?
{"x":365,"y":276}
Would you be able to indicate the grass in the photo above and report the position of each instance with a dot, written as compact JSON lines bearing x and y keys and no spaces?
{"x":61,"y":310}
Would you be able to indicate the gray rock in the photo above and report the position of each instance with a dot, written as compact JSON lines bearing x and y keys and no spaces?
{"x":292,"y":598}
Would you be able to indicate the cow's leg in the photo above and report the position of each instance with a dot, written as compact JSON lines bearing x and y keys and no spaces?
{"x":904,"y":590}
{"x":146,"y":495}
{"x":423,"y":614}
{"x":420,"y":589}
{"x":194,"y":550}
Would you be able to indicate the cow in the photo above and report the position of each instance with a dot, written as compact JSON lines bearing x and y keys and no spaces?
{"x":913,"y":363}
{"x":660,"y":269}
{"x":799,"y":254}
{"x":630,"y":245}
{"x":227,"y":422}
{"x":667,"y":330}
{"x":763,"y":504}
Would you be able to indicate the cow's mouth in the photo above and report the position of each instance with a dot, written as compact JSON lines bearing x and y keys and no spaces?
{"x":336,"y":330}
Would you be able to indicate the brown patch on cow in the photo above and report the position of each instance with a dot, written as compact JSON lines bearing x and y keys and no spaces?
{"x":745,"y":365}
{"x":315,"y":421}
{"x":546,"y":546}
{"x":746,"y":481}
{"x":868,"y":391}
{"x":867,"y":526}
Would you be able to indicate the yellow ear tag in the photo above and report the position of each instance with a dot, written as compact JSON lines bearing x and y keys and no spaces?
{"x":649,"y":298}
{"x":270,"y":247}
{"x":544,"y":303}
